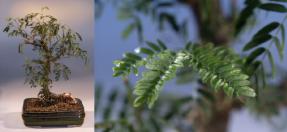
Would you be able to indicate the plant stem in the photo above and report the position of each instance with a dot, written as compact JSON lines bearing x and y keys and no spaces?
{"x":45,"y":93}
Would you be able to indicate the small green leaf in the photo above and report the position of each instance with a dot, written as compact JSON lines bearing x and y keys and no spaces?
{"x":144,"y":51}
{"x":79,"y":36}
{"x":253,"y":55}
{"x":139,"y":101}
{"x":20,"y":48}
{"x":271,"y":61}
{"x":161,"y":44}
{"x":282,"y":29}
{"x":258,"y":40}
{"x":279,"y":0}
{"x":245,"y":14}
{"x":139,"y":29}
{"x":127,"y":31}
{"x":246,"y":91}
{"x":229,"y":91}
{"x":132,"y":56}
{"x":135,"y":71}
{"x":279,"y":48}
{"x":267,"y":29}
{"x":164,"y":4}
{"x":170,"y":19}
{"x":273,"y":7}
{"x":153,"y":46}
{"x":6,"y":29}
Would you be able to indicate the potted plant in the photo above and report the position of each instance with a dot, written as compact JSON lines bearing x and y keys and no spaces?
{"x":50,"y":42}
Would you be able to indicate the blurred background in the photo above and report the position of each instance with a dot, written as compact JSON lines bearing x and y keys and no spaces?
{"x":79,"y":16}
{"x":122,"y":26}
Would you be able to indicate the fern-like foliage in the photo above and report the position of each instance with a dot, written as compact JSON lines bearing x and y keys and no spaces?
{"x":161,"y":68}
{"x":132,"y":61}
{"x":217,"y":66}
{"x":129,"y":63}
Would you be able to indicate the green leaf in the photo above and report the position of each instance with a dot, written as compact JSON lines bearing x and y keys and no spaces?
{"x":153,"y":46}
{"x":79,"y":36}
{"x":160,"y":69}
{"x":253,"y":55}
{"x":267,"y":29}
{"x":216,"y":67}
{"x":161,"y":44}
{"x":217,"y":70}
{"x":139,"y":101}
{"x":139,"y":29}
{"x":273,"y":7}
{"x":245,"y":14}
{"x":170,"y":19}
{"x":20,"y":48}
{"x":246,"y":91}
{"x":256,"y":41}
{"x":127,"y":31}
{"x":164,"y":4}
{"x":279,"y":0}
{"x":6,"y":29}
{"x":144,"y":51}
{"x":132,"y":56}
{"x":271,"y":61}
{"x":282,"y":29}
{"x":279,"y":48}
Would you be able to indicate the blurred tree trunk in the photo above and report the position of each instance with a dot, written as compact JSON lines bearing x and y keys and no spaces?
{"x":214,"y":27}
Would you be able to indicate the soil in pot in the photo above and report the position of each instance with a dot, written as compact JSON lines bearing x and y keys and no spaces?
{"x":59,"y":114}
{"x":35,"y":105}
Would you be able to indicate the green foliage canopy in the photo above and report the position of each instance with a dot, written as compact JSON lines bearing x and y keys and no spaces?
{"x":51,"y":40}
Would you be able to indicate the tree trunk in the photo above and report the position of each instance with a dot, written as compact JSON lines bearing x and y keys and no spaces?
{"x":213,"y":27}
{"x":218,"y":123}
{"x":213,"y":116}
{"x":45,"y":95}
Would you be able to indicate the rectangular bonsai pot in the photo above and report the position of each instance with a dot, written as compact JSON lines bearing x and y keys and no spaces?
{"x":53,"y":119}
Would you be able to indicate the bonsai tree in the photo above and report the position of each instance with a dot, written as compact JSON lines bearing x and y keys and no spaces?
{"x":51,"y":42}
{"x":227,"y":80}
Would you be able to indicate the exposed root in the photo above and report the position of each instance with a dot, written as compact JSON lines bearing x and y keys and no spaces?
{"x":52,"y":98}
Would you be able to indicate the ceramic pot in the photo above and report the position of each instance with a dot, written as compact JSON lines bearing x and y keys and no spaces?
{"x":50,"y":119}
